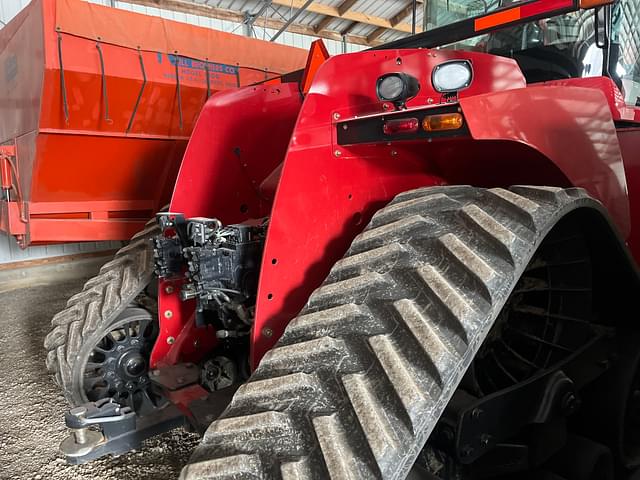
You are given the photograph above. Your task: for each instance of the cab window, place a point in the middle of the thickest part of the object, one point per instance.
(625, 48)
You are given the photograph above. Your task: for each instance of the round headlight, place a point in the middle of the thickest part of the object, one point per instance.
(452, 76)
(397, 87)
(390, 88)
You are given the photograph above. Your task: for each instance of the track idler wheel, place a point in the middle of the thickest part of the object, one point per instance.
(94, 312)
(116, 363)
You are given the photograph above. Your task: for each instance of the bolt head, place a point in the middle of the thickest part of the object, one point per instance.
(168, 314)
(337, 153)
(171, 340)
(168, 289)
(267, 332)
(467, 451)
(110, 374)
(570, 403)
(336, 116)
(130, 385)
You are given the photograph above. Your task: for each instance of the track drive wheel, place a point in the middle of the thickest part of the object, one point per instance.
(93, 320)
(360, 378)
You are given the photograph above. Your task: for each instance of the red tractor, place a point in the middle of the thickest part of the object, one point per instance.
(352, 282)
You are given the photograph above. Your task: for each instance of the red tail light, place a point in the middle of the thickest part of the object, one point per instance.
(401, 125)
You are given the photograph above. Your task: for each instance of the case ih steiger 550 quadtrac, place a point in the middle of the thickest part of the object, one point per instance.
(352, 282)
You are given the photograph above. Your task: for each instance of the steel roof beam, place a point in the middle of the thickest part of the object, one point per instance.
(286, 25)
(252, 17)
(359, 17)
(205, 10)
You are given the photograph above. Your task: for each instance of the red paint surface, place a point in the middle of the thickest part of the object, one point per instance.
(324, 200)
(327, 193)
(615, 99)
(630, 145)
(554, 121)
(240, 139)
(532, 9)
(179, 339)
(526, 10)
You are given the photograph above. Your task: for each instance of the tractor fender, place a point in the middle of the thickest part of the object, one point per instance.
(239, 141)
(240, 138)
(571, 126)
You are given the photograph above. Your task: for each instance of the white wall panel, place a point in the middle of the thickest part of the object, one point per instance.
(9, 250)
(9, 9)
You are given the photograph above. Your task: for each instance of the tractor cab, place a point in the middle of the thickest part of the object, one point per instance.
(583, 43)
(577, 44)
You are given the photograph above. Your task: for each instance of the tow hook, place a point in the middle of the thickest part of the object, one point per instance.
(106, 427)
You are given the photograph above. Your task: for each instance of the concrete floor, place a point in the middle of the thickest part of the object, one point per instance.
(31, 418)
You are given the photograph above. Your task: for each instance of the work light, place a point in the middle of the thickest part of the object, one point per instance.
(397, 88)
(452, 76)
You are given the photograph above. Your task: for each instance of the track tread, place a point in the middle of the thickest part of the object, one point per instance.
(102, 299)
(439, 353)
(403, 377)
(384, 342)
(371, 415)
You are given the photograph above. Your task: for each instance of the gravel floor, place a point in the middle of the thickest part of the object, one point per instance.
(31, 423)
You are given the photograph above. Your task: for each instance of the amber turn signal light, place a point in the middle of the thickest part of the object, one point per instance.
(445, 121)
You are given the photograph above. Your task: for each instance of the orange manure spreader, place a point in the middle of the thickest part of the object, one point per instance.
(97, 108)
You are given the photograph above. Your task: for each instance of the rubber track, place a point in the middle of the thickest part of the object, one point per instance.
(102, 299)
(360, 378)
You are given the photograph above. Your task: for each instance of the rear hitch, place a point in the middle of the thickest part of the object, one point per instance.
(106, 427)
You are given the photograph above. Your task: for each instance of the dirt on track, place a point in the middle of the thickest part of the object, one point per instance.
(31, 418)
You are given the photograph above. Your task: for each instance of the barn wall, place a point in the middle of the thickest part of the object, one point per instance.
(9, 250)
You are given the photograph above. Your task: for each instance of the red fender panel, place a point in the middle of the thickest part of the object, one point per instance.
(571, 126)
(240, 139)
